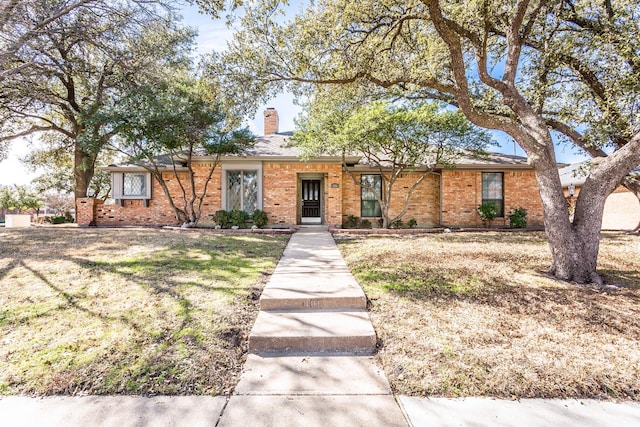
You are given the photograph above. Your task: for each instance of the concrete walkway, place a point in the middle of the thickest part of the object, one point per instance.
(311, 365)
(311, 347)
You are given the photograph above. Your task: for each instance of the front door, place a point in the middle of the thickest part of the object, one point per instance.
(311, 195)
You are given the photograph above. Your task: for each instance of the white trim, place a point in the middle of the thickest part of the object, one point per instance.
(310, 220)
(117, 183)
(241, 166)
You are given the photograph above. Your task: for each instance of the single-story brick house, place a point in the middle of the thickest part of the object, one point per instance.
(621, 209)
(272, 177)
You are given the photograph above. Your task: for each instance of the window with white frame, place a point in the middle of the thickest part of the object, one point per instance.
(242, 190)
(130, 185)
(134, 184)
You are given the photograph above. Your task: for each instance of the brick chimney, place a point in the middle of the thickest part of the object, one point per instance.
(270, 121)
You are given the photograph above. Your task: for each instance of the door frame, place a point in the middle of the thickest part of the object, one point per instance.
(310, 177)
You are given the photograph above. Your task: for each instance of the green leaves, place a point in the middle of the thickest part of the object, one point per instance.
(19, 197)
(385, 133)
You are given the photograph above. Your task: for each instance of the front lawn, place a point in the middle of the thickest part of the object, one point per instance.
(474, 314)
(127, 311)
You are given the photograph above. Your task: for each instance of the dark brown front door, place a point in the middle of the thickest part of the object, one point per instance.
(311, 198)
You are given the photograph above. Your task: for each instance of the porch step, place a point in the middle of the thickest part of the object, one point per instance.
(312, 332)
(310, 289)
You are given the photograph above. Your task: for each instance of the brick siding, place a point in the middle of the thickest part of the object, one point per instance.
(461, 193)
(424, 204)
(281, 192)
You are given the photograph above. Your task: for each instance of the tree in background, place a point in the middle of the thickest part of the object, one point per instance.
(60, 74)
(167, 126)
(61, 203)
(20, 198)
(526, 68)
(6, 199)
(392, 139)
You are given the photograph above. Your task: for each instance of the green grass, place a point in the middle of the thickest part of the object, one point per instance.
(108, 311)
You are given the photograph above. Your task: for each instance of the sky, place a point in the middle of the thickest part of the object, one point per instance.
(213, 35)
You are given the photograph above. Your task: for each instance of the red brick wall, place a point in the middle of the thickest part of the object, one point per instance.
(85, 209)
(159, 211)
(424, 204)
(281, 191)
(462, 194)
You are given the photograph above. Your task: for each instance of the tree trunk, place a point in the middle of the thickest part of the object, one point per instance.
(573, 244)
(633, 184)
(83, 170)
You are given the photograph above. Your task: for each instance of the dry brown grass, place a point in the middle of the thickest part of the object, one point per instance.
(127, 311)
(473, 314)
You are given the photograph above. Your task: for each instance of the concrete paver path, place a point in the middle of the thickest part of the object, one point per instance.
(311, 346)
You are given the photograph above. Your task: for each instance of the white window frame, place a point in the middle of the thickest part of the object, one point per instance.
(236, 167)
(117, 186)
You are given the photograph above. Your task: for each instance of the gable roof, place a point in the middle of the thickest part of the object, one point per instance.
(278, 147)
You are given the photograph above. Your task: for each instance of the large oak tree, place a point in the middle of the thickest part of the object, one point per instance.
(63, 62)
(529, 68)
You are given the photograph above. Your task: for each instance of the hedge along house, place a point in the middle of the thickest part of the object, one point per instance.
(272, 177)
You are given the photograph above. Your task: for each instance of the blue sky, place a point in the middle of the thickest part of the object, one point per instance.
(213, 35)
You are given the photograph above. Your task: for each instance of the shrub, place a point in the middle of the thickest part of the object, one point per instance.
(260, 218)
(366, 224)
(222, 218)
(239, 218)
(398, 223)
(412, 223)
(351, 222)
(488, 211)
(58, 220)
(518, 218)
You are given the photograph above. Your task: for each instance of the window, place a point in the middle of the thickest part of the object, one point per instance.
(242, 190)
(370, 192)
(492, 190)
(130, 185)
(134, 184)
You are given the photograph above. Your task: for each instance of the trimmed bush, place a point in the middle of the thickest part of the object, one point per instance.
(260, 218)
(239, 218)
(518, 218)
(222, 218)
(351, 222)
(488, 212)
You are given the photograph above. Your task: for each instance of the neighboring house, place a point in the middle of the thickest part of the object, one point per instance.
(272, 177)
(622, 208)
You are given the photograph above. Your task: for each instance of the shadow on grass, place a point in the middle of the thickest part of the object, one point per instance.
(176, 337)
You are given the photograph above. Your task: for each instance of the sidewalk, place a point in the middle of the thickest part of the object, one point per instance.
(311, 365)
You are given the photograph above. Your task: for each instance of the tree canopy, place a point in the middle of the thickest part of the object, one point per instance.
(392, 139)
(61, 74)
(19, 197)
(526, 68)
(164, 127)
